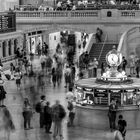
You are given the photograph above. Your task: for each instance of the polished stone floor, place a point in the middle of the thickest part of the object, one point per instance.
(29, 88)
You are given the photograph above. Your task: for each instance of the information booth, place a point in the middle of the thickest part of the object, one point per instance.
(93, 101)
(97, 93)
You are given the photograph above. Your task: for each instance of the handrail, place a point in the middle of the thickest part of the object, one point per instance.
(90, 42)
(102, 47)
(121, 41)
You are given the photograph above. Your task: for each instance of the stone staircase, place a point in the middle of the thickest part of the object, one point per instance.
(98, 50)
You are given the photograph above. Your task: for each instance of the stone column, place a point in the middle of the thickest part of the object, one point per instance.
(1, 50)
(6, 48)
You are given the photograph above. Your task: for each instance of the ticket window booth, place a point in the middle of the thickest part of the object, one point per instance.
(100, 97)
(79, 94)
(88, 96)
(131, 97)
(116, 95)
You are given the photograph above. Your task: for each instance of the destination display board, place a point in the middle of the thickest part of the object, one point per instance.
(7, 22)
(101, 97)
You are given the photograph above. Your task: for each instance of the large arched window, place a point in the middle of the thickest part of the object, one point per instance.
(15, 45)
(4, 49)
(9, 47)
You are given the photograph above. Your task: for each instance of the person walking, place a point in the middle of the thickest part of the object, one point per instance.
(27, 114)
(54, 76)
(122, 126)
(18, 77)
(112, 114)
(71, 108)
(42, 61)
(48, 117)
(58, 114)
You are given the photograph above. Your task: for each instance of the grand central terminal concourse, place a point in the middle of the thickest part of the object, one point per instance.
(69, 70)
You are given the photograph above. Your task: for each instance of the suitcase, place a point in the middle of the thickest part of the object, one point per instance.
(8, 77)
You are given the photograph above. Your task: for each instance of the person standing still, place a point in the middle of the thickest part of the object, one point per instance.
(48, 117)
(112, 114)
(42, 106)
(124, 63)
(27, 114)
(58, 114)
(95, 66)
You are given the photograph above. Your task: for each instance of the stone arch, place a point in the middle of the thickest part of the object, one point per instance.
(131, 41)
(9, 47)
(15, 45)
(4, 49)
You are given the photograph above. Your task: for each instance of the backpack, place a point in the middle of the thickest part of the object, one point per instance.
(70, 106)
(62, 112)
(38, 107)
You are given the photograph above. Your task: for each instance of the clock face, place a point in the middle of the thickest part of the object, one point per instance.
(114, 59)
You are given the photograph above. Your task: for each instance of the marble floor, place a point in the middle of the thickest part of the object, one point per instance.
(29, 88)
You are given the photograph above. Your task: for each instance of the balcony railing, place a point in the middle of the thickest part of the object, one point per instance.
(79, 14)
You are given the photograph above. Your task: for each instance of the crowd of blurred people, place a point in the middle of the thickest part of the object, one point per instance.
(83, 5)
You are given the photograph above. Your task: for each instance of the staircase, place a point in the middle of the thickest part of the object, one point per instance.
(99, 50)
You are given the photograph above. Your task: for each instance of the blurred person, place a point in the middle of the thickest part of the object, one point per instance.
(71, 108)
(18, 77)
(103, 68)
(124, 63)
(58, 114)
(67, 75)
(42, 61)
(12, 70)
(2, 93)
(122, 126)
(99, 33)
(117, 135)
(132, 65)
(42, 106)
(27, 114)
(6, 122)
(95, 66)
(54, 76)
(70, 95)
(26, 65)
(137, 64)
(90, 68)
(48, 117)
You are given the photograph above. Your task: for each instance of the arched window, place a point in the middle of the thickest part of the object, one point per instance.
(9, 47)
(4, 49)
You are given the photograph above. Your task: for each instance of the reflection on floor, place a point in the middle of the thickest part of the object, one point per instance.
(14, 102)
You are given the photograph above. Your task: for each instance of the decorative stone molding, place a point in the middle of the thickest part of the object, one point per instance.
(54, 27)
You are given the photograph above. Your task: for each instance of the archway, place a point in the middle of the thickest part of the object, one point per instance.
(4, 49)
(15, 45)
(9, 48)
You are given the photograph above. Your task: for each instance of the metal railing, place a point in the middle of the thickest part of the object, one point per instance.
(102, 47)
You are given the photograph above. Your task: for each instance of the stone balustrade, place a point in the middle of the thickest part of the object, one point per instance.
(79, 14)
